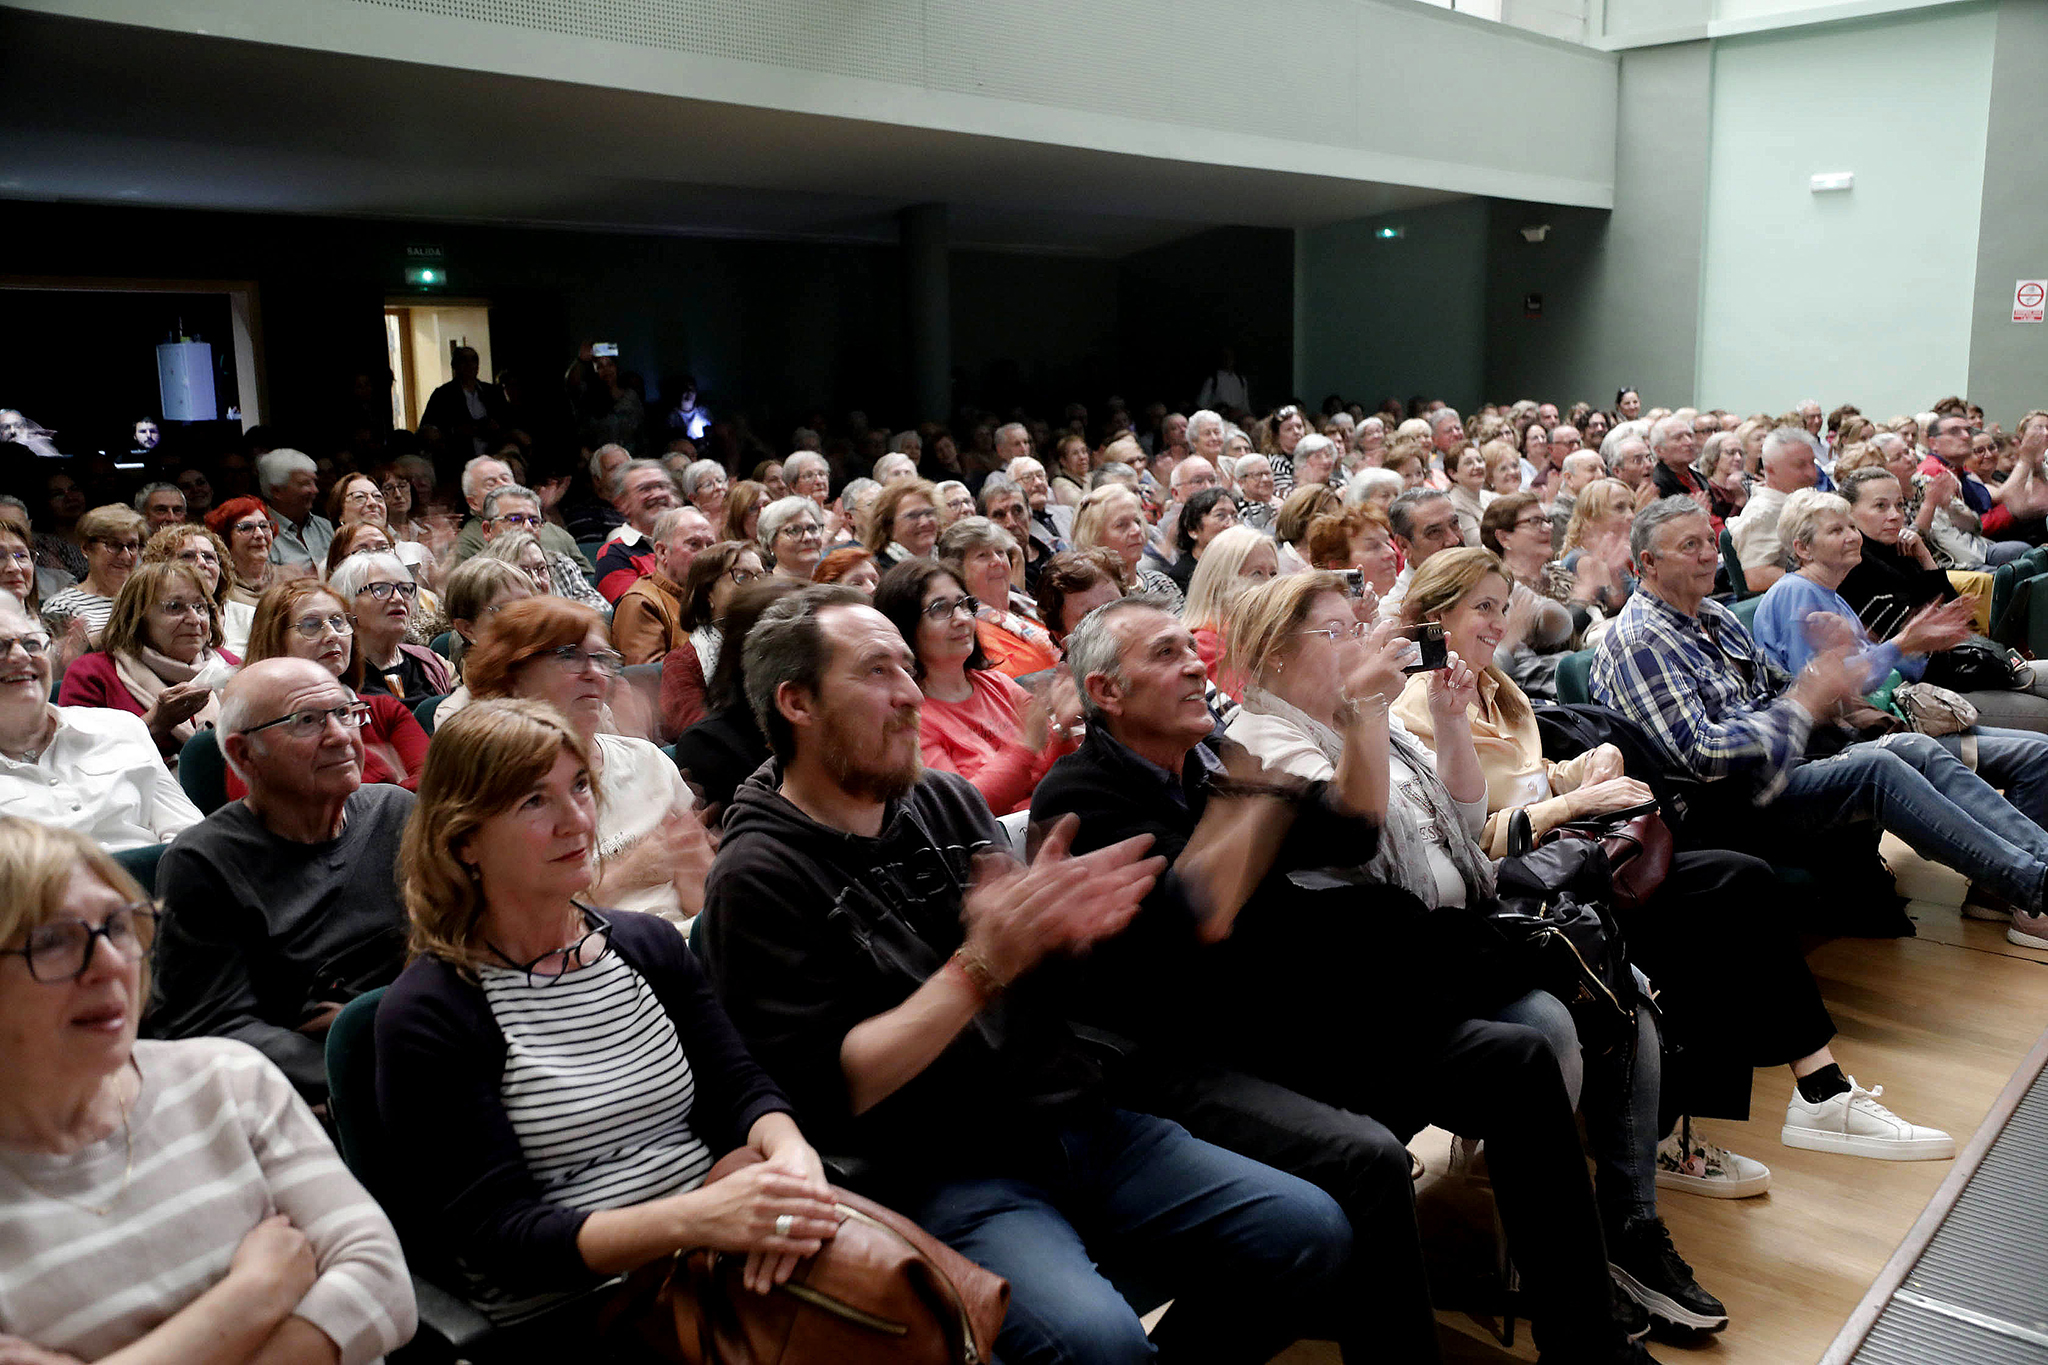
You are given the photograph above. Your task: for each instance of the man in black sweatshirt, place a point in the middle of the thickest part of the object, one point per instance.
(873, 940)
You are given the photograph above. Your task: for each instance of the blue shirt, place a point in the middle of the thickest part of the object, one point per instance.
(1780, 627)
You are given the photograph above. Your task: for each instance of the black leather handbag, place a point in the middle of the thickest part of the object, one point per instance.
(1553, 899)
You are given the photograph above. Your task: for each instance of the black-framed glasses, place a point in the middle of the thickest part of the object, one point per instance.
(62, 949)
(382, 591)
(31, 645)
(1526, 522)
(576, 658)
(802, 530)
(353, 715)
(942, 608)
(312, 627)
(120, 547)
(526, 519)
(589, 949)
(742, 577)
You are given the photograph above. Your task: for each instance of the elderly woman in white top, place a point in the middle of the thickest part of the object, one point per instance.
(791, 534)
(93, 769)
(705, 486)
(161, 1201)
(1257, 505)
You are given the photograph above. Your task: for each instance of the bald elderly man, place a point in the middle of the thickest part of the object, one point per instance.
(280, 908)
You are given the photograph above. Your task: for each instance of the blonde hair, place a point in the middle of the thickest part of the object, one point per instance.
(480, 763)
(1800, 518)
(127, 629)
(1447, 578)
(1861, 455)
(1215, 584)
(1600, 498)
(112, 519)
(163, 548)
(1091, 519)
(36, 863)
(1264, 619)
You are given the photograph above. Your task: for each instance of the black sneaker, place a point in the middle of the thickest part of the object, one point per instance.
(1650, 1271)
(1630, 1316)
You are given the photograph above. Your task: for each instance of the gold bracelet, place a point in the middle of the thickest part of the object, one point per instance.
(979, 974)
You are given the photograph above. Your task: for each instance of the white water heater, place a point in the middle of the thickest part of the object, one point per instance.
(184, 373)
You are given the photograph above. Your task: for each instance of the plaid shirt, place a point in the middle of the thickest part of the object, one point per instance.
(1702, 692)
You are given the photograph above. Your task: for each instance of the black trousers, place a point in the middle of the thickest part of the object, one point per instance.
(1720, 944)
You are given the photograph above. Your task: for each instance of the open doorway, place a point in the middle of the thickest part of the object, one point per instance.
(421, 339)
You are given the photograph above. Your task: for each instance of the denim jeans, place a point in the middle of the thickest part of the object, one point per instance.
(1617, 1094)
(1249, 1255)
(1914, 787)
(2014, 761)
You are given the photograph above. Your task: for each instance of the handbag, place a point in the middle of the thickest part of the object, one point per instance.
(1978, 665)
(1552, 898)
(1931, 710)
(881, 1290)
(1638, 846)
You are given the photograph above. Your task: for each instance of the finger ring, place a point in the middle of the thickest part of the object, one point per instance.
(785, 1224)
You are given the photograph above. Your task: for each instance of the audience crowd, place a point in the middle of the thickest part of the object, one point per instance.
(1093, 837)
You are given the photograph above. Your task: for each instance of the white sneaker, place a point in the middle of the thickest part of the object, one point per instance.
(1981, 905)
(1686, 1161)
(1853, 1123)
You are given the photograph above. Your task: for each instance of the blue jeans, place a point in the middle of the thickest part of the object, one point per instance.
(2014, 761)
(1914, 787)
(1620, 1104)
(1250, 1255)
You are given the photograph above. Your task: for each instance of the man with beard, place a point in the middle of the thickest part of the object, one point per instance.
(875, 943)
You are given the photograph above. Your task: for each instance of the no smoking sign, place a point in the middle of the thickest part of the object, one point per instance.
(2029, 300)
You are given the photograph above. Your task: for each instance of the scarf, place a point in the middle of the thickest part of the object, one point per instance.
(705, 640)
(238, 591)
(1028, 631)
(1403, 858)
(148, 672)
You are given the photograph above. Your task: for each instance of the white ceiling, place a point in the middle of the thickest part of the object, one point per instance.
(105, 113)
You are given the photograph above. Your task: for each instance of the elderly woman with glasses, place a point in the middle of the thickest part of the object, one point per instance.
(208, 553)
(977, 552)
(160, 656)
(113, 537)
(791, 534)
(500, 1049)
(652, 850)
(360, 498)
(975, 722)
(303, 619)
(170, 1201)
(379, 594)
(243, 524)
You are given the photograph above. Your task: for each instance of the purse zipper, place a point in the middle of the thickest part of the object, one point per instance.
(825, 1303)
(970, 1354)
(1591, 975)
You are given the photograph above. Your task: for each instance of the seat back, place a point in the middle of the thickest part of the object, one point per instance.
(140, 863)
(1745, 611)
(352, 1087)
(1574, 677)
(424, 712)
(203, 771)
(1731, 565)
(442, 643)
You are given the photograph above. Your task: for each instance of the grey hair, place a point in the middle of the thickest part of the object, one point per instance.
(149, 490)
(799, 463)
(1889, 440)
(897, 464)
(507, 548)
(597, 459)
(1800, 517)
(1666, 428)
(1202, 417)
(1803, 404)
(1374, 421)
(470, 476)
(1643, 529)
(694, 472)
(671, 521)
(1018, 427)
(995, 485)
(502, 492)
(806, 442)
(1093, 648)
(1022, 460)
(788, 646)
(1174, 480)
(1113, 471)
(274, 468)
(903, 442)
(1400, 512)
(349, 576)
(780, 513)
(1358, 492)
(969, 534)
(1613, 452)
(1245, 462)
(1610, 445)
(855, 490)
(1781, 437)
(1441, 415)
(615, 486)
(1309, 445)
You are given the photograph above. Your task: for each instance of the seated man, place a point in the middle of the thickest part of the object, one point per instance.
(1789, 464)
(280, 908)
(1147, 769)
(861, 922)
(642, 490)
(91, 769)
(1684, 669)
(511, 507)
(647, 621)
(486, 483)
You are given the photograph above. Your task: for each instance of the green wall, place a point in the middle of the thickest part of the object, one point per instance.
(2009, 360)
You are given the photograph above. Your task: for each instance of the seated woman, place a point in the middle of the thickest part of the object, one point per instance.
(1203, 517)
(243, 524)
(792, 537)
(18, 576)
(1469, 493)
(500, 1049)
(714, 575)
(1731, 1002)
(301, 619)
(1290, 526)
(1111, 518)
(975, 721)
(160, 656)
(1896, 576)
(1803, 614)
(1070, 470)
(1257, 505)
(978, 553)
(850, 565)
(1540, 629)
(1239, 558)
(1074, 583)
(1313, 679)
(190, 1174)
(1360, 539)
(723, 749)
(902, 523)
(558, 574)
(379, 594)
(91, 769)
(204, 551)
(744, 503)
(651, 849)
(477, 589)
(113, 537)
(1595, 541)
(358, 499)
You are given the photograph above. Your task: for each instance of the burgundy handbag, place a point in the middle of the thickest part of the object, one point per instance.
(1638, 847)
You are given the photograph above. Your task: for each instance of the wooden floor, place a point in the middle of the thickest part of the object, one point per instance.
(1941, 1021)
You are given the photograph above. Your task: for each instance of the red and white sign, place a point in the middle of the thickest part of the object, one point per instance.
(2029, 300)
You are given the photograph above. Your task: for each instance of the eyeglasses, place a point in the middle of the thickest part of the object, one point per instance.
(312, 627)
(1526, 522)
(200, 557)
(742, 577)
(121, 547)
(363, 495)
(802, 530)
(588, 950)
(352, 715)
(576, 658)
(527, 519)
(31, 645)
(1338, 634)
(396, 486)
(173, 610)
(62, 950)
(252, 526)
(19, 557)
(382, 591)
(942, 609)
(918, 514)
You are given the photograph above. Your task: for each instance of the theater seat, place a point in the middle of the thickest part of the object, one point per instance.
(140, 863)
(1731, 565)
(424, 712)
(1574, 677)
(203, 771)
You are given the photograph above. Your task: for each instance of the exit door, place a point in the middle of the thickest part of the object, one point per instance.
(421, 340)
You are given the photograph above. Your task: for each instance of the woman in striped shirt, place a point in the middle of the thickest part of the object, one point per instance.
(561, 1078)
(170, 1201)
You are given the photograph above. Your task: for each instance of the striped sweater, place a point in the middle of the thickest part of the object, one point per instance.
(221, 1141)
